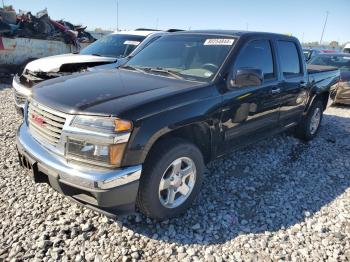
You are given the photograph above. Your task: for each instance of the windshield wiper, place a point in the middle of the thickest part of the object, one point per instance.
(96, 54)
(132, 68)
(163, 70)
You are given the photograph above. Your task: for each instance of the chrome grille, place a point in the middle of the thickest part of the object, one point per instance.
(45, 124)
(20, 99)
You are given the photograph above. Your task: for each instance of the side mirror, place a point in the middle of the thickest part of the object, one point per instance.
(247, 77)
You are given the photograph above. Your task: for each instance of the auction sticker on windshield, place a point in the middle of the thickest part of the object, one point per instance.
(129, 42)
(219, 41)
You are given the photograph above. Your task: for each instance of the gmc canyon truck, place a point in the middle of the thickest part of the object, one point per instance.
(140, 135)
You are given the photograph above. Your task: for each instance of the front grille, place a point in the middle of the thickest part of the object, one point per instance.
(45, 124)
(20, 99)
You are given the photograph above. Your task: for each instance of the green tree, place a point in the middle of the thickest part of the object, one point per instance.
(334, 44)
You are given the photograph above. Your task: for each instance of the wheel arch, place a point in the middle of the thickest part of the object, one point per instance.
(197, 133)
(323, 96)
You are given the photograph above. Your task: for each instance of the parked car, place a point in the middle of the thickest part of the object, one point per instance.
(340, 92)
(106, 50)
(310, 53)
(329, 51)
(148, 40)
(142, 134)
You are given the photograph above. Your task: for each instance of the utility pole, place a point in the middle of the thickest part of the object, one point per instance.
(324, 27)
(302, 38)
(157, 23)
(117, 15)
(3, 5)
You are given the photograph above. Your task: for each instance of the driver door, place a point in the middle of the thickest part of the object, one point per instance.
(251, 112)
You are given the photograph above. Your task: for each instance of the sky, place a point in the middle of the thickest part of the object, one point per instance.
(303, 19)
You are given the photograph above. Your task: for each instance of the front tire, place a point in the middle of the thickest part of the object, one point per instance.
(171, 179)
(310, 124)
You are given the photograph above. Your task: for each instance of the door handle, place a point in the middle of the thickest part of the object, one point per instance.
(275, 91)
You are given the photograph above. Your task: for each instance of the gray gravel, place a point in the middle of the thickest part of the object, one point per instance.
(278, 200)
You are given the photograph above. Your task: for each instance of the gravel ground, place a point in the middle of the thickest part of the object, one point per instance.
(279, 200)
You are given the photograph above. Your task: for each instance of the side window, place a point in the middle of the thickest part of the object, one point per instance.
(257, 54)
(289, 58)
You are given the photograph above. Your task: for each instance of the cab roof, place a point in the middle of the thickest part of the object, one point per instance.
(234, 33)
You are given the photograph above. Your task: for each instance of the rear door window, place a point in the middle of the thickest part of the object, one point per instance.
(289, 58)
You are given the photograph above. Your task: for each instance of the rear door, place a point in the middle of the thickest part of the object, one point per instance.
(293, 88)
(251, 112)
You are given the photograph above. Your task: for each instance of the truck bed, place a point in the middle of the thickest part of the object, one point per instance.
(322, 77)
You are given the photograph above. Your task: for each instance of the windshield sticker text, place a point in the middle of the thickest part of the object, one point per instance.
(220, 41)
(129, 42)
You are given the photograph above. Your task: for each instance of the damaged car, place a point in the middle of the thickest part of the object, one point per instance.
(148, 40)
(106, 50)
(340, 92)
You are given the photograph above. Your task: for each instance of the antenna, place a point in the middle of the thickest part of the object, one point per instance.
(117, 15)
(324, 27)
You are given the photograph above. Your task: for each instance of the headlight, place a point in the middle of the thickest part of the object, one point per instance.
(101, 146)
(96, 154)
(102, 124)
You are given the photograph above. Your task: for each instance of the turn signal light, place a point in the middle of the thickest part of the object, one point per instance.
(122, 125)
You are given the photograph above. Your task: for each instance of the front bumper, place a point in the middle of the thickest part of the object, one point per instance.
(105, 190)
(21, 94)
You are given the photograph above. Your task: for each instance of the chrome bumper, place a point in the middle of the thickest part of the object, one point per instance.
(21, 92)
(75, 175)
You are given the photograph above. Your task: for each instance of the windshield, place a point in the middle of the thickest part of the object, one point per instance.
(340, 61)
(191, 57)
(116, 45)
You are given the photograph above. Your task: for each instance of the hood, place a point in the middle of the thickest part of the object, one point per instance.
(54, 63)
(108, 92)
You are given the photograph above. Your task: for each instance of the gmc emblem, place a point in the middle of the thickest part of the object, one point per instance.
(38, 120)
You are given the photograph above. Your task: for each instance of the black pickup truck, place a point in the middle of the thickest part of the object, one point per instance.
(140, 135)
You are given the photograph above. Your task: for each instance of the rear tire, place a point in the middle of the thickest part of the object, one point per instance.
(171, 179)
(310, 124)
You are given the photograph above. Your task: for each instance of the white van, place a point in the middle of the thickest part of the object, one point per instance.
(346, 48)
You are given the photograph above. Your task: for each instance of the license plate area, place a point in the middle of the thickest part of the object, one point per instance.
(31, 167)
(26, 162)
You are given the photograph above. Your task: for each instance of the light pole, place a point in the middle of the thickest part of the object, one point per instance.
(117, 15)
(324, 27)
